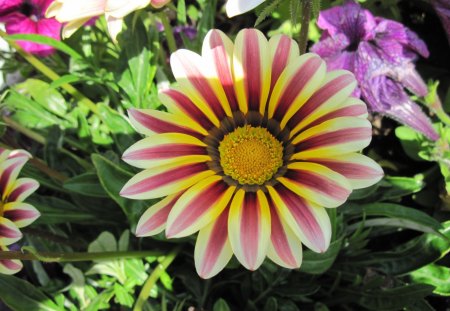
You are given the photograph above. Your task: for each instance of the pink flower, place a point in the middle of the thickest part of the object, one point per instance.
(28, 17)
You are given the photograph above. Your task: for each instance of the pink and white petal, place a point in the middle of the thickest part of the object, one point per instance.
(308, 221)
(149, 122)
(157, 4)
(153, 221)
(121, 8)
(9, 233)
(238, 7)
(21, 214)
(295, 86)
(161, 149)
(217, 50)
(333, 137)
(114, 26)
(71, 27)
(22, 189)
(251, 70)
(9, 266)
(10, 169)
(335, 89)
(198, 206)
(360, 171)
(283, 51)
(168, 179)
(178, 103)
(285, 248)
(316, 183)
(198, 80)
(213, 249)
(249, 228)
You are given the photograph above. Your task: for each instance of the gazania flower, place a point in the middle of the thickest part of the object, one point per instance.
(381, 54)
(14, 213)
(27, 17)
(75, 12)
(258, 141)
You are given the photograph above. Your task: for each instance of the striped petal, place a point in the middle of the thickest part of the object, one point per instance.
(333, 137)
(21, 189)
(285, 248)
(283, 51)
(9, 266)
(10, 169)
(153, 221)
(198, 206)
(199, 82)
(295, 86)
(165, 180)
(249, 228)
(335, 89)
(149, 122)
(21, 214)
(9, 233)
(237, 7)
(161, 149)
(217, 50)
(213, 249)
(316, 183)
(178, 103)
(360, 171)
(251, 70)
(309, 222)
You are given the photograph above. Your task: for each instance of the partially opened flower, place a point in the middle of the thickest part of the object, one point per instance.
(27, 17)
(380, 52)
(76, 13)
(258, 141)
(14, 213)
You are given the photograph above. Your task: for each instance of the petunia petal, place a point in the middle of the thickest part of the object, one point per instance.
(295, 86)
(316, 183)
(217, 50)
(251, 70)
(153, 221)
(149, 122)
(285, 248)
(237, 7)
(283, 51)
(70, 10)
(213, 249)
(21, 189)
(335, 89)
(249, 228)
(9, 233)
(198, 206)
(199, 82)
(161, 149)
(21, 214)
(165, 180)
(309, 222)
(360, 171)
(333, 137)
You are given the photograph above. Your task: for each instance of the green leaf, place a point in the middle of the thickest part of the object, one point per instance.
(221, 305)
(398, 216)
(66, 79)
(59, 45)
(397, 187)
(267, 11)
(86, 184)
(435, 275)
(411, 141)
(20, 295)
(116, 122)
(181, 12)
(106, 242)
(122, 296)
(315, 263)
(271, 304)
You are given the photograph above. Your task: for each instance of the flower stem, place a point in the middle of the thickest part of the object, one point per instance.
(48, 72)
(76, 256)
(306, 17)
(154, 277)
(168, 32)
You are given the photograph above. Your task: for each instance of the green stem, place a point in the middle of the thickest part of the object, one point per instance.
(168, 32)
(306, 17)
(153, 278)
(76, 256)
(45, 70)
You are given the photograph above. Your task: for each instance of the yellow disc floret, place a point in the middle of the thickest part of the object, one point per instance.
(250, 155)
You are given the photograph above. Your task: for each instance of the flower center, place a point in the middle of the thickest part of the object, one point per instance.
(250, 155)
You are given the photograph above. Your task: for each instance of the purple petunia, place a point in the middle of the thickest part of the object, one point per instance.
(381, 54)
(442, 8)
(28, 17)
